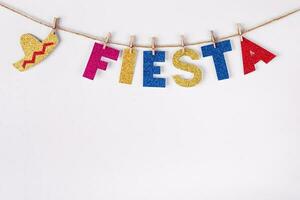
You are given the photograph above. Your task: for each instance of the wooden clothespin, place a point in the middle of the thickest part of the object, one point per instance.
(106, 41)
(131, 43)
(153, 45)
(182, 43)
(213, 38)
(240, 31)
(55, 24)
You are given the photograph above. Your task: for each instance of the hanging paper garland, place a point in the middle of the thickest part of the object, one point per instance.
(36, 51)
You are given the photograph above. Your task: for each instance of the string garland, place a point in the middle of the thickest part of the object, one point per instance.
(89, 36)
(36, 51)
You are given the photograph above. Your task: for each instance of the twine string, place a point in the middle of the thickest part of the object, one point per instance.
(92, 37)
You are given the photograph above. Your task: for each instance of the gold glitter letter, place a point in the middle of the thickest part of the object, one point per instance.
(128, 65)
(187, 67)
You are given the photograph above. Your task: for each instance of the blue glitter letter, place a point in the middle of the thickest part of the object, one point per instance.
(218, 56)
(150, 69)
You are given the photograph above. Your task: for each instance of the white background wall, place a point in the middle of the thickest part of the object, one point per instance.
(64, 137)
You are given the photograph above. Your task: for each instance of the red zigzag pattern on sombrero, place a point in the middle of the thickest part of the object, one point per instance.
(37, 53)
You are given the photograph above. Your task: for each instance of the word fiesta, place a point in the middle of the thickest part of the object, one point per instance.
(251, 55)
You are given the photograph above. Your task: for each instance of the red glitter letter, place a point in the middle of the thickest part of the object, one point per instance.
(252, 54)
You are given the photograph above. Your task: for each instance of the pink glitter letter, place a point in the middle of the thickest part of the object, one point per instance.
(95, 61)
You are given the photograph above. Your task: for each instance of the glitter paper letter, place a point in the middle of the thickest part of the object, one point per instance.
(252, 54)
(150, 69)
(95, 61)
(128, 65)
(197, 73)
(218, 57)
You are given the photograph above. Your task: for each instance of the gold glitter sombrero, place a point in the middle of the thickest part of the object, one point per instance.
(35, 50)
